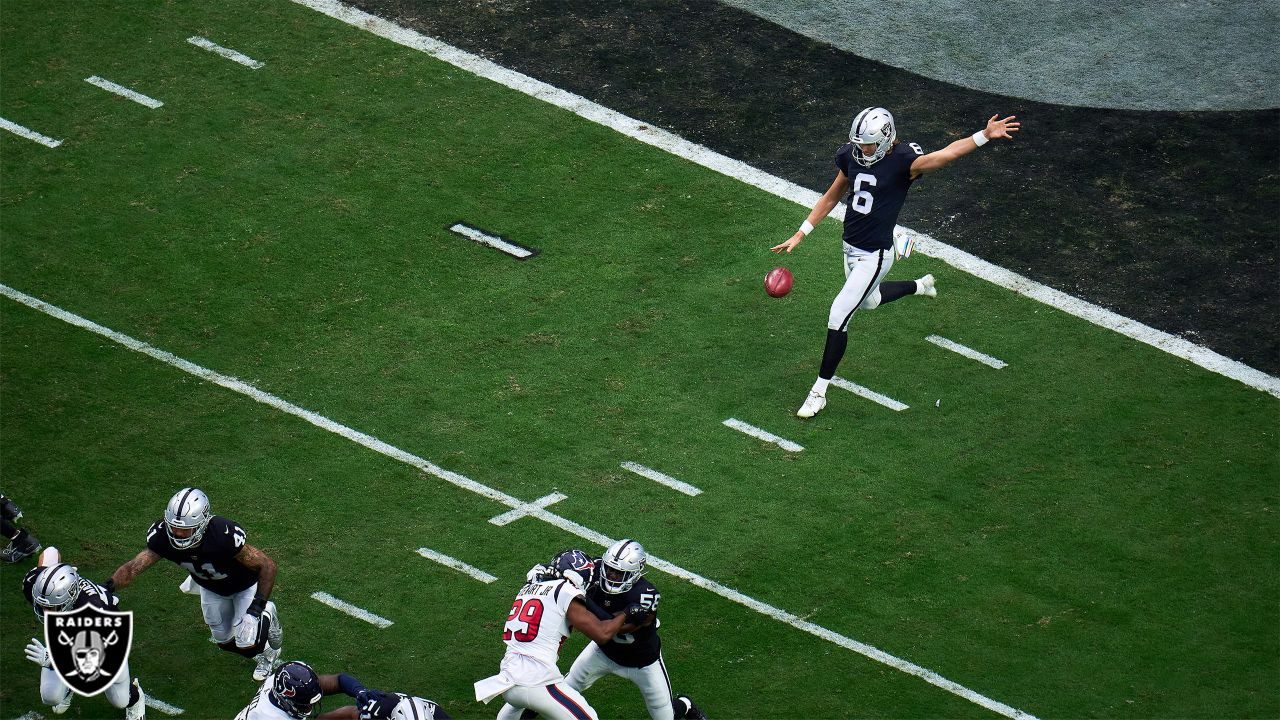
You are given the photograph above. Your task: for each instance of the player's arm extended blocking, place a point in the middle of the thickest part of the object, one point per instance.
(586, 622)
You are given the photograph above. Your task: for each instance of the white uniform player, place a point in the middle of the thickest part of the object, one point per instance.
(547, 608)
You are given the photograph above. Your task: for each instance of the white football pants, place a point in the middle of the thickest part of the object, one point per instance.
(592, 664)
(54, 691)
(222, 612)
(556, 701)
(863, 271)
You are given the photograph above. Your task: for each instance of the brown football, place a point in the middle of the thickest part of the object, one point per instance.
(778, 282)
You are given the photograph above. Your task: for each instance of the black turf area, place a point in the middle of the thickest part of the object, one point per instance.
(1169, 218)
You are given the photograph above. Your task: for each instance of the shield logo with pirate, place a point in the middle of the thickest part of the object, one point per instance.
(88, 646)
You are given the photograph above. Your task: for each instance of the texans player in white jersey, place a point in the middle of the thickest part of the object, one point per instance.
(635, 653)
(58, 587)
(234, 577)
(295, 692)
(547, 608)
(874, 172)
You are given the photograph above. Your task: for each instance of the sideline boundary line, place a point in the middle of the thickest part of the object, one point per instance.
(708, 158)
(510, 501)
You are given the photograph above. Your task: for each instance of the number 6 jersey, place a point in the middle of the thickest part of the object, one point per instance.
(212, 562)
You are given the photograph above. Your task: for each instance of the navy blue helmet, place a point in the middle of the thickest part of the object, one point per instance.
(574, 561)
(296, 690)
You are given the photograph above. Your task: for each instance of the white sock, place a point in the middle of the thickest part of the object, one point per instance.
(820, 386)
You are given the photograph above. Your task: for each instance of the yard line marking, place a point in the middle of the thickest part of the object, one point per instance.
(868, 393)
(124, 92)
(355, 612)
(163, 706)
(967, 352)
(227, 53)
(456, 564)
(515, 250)
(708, 158)
(765, 435)
(29, 134)
(661, 479)
(527, 509)
(547, 516)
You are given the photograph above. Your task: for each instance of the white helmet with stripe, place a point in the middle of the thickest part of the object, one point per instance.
(414, 708)
(188, 509)
(56, 588)
(623, 565)
(873, 126)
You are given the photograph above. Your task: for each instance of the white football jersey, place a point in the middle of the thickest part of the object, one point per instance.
(261, 707)
(535, 630)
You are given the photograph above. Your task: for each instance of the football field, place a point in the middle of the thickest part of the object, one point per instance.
(253, 288)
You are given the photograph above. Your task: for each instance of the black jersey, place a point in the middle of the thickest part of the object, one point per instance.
(212, 562)
(90, 594)
(876, 195)
(639, 648)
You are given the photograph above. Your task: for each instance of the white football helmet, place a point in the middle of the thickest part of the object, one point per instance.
(187, 509)
(623, 566)
(873, 126)
(414, 708)
(56, 588)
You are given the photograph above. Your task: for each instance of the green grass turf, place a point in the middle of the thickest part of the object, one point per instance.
(1088, 532)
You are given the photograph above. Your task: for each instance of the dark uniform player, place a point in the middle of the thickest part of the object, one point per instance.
(59, 588)
(22, 544)
(234, 577)
(635, 652)
(874, 174)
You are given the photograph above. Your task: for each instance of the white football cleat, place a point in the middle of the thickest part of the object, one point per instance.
(275, 633)
(926, 286)
(812, 405)
(64, 705)
(266, 663)
(138, 710)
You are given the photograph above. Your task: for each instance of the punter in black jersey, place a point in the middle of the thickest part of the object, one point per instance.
(58, 587)
(635, 653)
(873, 175)
(234, 578)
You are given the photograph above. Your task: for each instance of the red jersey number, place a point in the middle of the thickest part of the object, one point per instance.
(528, 612)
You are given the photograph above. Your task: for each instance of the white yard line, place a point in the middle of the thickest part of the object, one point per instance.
(355, 612)
(868, 393)
(662, 479)
(124, 92)
(465, 483)
(765, 435)
(228, 53)
(28, 133)
(511, 516)
(517, 251)
(968, 352)
(162, 706)
(456, 564)
(739, 170)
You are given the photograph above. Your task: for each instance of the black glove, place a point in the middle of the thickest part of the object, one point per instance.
(8, 509)
(637, 614)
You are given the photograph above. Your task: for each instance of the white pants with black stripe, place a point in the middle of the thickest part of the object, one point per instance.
(863, 271)
(592, 664)
(222, 612)
(54, 691)
(556, 701)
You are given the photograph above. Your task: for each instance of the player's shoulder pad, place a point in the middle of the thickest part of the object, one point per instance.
(29, 583)
(224, 535)
(157, 538)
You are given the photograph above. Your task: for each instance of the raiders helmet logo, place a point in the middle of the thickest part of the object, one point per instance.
(88, 646)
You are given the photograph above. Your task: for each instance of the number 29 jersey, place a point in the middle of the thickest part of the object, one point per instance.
(212, 562)
(876, 194)
(535, 629)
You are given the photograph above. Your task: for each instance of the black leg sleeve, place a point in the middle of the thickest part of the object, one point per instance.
(837, 340)
(894, 289)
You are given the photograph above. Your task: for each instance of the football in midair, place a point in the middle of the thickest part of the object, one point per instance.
(778, 282)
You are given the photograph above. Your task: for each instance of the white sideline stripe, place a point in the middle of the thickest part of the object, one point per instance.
(491, 241)
(547, 516)
(228, 53)
(968, 352)
(511, 516)
(29, 134)
(765, 435)
(163, 706)
(661, 479)
(868, 393)
(124, 92)
(739, 170)
(352, 610)
(456, 564)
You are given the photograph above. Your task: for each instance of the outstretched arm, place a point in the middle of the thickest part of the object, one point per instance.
(585, 621)
(821, 209)
(996, 128)
(132, 569)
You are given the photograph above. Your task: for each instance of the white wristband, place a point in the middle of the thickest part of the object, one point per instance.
(805, 228)
(980, 139)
